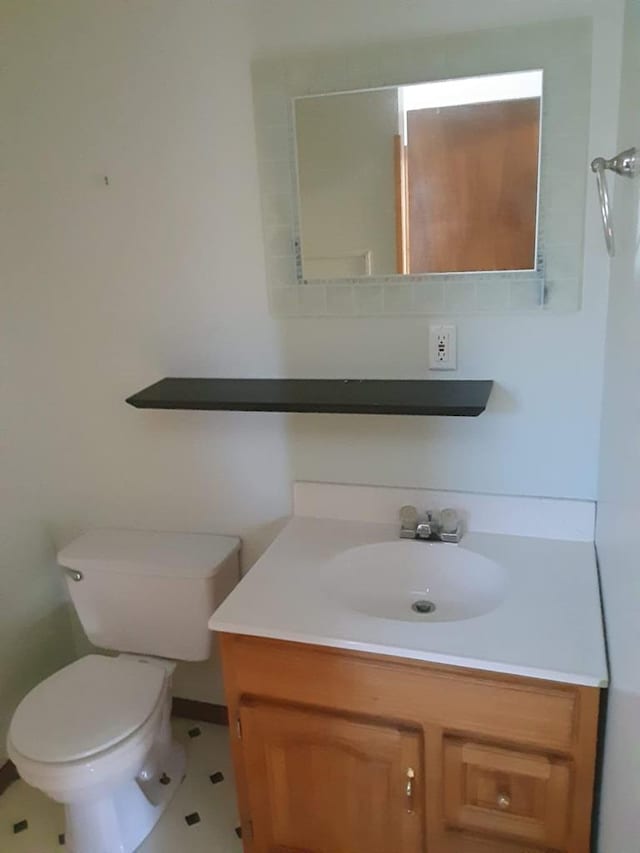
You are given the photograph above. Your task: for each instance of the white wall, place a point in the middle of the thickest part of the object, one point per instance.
(161, 272)
(35, 634)
(618, 538)
(279, 25)
(112, 287)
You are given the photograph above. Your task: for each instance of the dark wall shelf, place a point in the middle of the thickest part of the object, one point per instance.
(450, 397)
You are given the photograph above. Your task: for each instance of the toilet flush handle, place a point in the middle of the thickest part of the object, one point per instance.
(74, 574)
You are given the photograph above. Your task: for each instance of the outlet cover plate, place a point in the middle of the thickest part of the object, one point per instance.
(443, 347)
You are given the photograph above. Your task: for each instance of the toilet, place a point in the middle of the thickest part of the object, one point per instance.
(96, 735)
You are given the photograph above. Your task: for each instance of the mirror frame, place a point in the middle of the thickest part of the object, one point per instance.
(557, 282)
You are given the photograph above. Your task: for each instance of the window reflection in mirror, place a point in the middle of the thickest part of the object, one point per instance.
(440, 177)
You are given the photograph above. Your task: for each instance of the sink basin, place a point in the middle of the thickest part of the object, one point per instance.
(417, 581)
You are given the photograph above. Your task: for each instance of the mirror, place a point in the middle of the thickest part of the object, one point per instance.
(355, 273)
(439, 177)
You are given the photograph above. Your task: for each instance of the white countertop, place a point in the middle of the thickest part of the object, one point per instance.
(549, 625)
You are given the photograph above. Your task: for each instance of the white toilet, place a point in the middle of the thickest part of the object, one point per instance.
(96, 735)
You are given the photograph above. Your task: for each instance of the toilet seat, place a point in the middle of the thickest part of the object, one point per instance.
(86, 708)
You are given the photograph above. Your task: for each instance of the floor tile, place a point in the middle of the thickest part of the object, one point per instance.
(208, 756)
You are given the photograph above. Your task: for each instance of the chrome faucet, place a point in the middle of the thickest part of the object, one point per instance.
(443, 526)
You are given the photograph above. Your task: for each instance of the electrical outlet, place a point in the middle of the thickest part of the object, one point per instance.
(442, 348)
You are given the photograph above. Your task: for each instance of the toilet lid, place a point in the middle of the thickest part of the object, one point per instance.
(86, 707)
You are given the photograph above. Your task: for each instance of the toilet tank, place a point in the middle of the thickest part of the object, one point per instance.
(150, 592)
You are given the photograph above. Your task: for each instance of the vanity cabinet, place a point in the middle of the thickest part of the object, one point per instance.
(347, 752)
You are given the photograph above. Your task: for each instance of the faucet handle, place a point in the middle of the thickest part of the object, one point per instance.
(408, 516)
(449, 520)
(450, 526)
(408, 522)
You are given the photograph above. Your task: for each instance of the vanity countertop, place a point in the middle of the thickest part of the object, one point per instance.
(549, 625)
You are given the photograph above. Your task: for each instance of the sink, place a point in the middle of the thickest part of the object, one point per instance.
(417, 581)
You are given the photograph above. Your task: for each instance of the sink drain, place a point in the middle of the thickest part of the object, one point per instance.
(423, 606)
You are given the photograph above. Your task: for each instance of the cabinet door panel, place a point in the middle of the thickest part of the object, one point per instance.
(324, 783)
(506, 793)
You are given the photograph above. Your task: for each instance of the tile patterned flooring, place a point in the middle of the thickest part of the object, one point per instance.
(206, 797)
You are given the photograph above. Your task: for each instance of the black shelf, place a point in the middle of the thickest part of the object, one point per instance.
(449, 397)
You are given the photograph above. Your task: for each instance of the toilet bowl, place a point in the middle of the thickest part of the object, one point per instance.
(96, 737)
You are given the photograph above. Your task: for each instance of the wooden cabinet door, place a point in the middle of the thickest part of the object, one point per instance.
(506, 793)
(324, 783)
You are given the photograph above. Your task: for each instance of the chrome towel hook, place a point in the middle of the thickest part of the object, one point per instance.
(625, 163)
